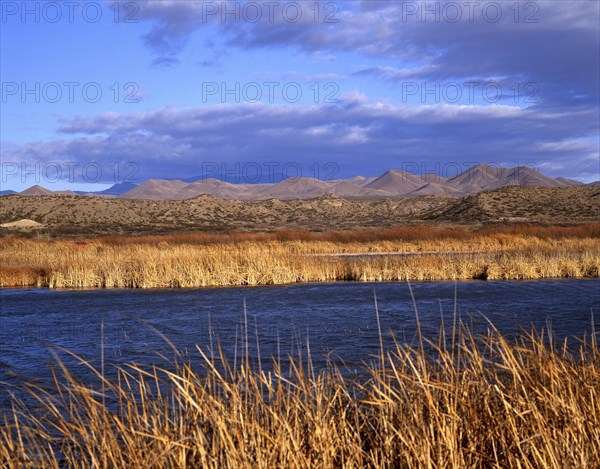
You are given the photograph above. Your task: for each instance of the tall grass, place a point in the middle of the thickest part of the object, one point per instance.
(465, 402)
(398, 233)
(199, 260)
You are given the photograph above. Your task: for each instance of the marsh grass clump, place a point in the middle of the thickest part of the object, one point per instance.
(459, 401)
(395, 254)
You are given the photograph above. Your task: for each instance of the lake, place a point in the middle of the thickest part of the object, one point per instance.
(338, 320)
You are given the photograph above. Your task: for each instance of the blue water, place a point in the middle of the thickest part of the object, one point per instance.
(337, 319)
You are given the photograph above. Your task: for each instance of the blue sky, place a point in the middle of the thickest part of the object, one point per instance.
(95, 93)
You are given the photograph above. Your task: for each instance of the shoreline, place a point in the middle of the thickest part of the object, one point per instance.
(315, 283)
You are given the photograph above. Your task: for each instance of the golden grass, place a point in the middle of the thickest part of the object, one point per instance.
(398, 233)
(199, 260)
(467, 402)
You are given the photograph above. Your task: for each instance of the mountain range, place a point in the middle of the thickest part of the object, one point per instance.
(115, 190)
(393, 183)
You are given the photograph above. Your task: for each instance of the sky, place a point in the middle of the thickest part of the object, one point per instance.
(103, 92)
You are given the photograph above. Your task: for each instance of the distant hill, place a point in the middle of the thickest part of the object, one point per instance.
(39, 190)
(349, 189)
(568, 182)
(396, 183)
(67, 192)
(36, 190)
(8, 192)
(484, 177)
(295, 188)
(117, 189)
(88, 216)
(526, 204)
(156, 189)
(393, 183)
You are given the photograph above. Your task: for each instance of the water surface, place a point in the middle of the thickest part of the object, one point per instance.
(337, 319)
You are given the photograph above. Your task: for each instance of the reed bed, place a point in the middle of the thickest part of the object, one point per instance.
(397, 233)
(157, 262)
(455, 402)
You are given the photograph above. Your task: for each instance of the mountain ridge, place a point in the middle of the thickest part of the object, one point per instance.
(393, 183)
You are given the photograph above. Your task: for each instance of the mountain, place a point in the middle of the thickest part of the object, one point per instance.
(117, 189)
(434, 188)
(39, 190)
(8, 192)
(36, 190)
(525, 176)
(429, 177)
(222, 189)
(348, 189)
(484, 177)
(396, 183)
(478, 178)
(67, 192)
(357, 180)
(568, 182)
(393, 183)
(156, 189)
(295, 188)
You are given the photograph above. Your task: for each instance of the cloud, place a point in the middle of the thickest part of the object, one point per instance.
(357, 134)
(172, 24)
(165, 62)
(552, 44)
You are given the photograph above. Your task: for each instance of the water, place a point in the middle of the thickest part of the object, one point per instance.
(338, 320)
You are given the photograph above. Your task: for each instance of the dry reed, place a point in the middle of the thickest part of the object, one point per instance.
(533, 253)
(466, 402)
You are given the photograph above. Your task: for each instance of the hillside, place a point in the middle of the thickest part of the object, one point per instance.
(526, 204)
(65, 215)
